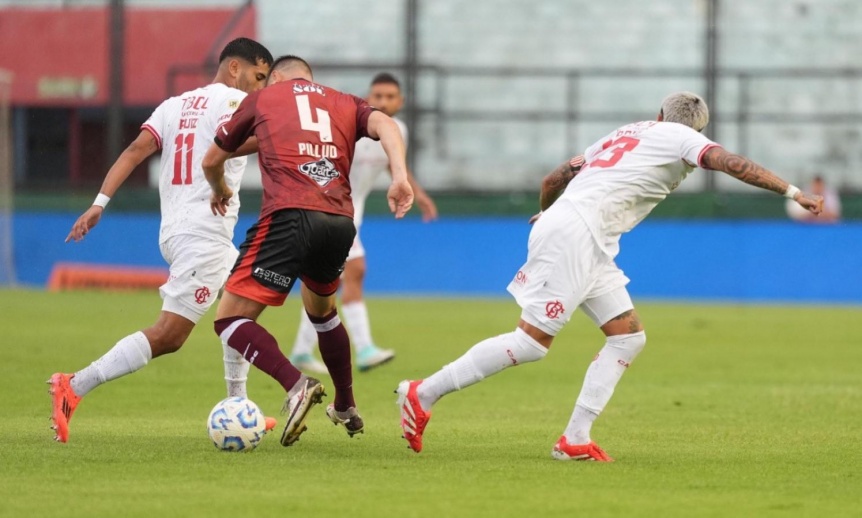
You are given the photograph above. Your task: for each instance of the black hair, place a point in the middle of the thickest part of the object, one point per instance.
(385, 78)
(246, 49)
(290, 60)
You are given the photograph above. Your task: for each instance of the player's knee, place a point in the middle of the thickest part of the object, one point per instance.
(165, 342)
(527, 349)
(165, 339)
(629, 344)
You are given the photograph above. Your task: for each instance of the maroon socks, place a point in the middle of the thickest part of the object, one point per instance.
(260, 349)
(335, 352)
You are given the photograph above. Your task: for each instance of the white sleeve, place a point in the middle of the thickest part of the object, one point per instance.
(227, 105)
(692, 145)
(156, 124)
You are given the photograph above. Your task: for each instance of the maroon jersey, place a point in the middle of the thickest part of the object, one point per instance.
(306, 134)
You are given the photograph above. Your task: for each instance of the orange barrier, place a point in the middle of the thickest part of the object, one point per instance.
(72, 276)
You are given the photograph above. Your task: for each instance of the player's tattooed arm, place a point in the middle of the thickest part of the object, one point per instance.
(741, 168)
(555, 183)
(744, 169)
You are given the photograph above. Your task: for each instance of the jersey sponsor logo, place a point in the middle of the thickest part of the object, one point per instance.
(623, 363)
(554, 309)
(272, 277)
(304, 88)
(195, 102)
(202, 294)
(520, 278)
(321, 171)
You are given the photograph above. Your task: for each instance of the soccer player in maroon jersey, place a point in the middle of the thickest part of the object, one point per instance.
(306, 135)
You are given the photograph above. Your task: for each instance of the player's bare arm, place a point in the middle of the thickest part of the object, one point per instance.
(213, 166)
(141, 148)
(249, 147)
(741, 168)
(555, 183)
(400, 195)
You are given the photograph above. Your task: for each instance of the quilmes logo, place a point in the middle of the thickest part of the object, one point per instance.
(321, 171)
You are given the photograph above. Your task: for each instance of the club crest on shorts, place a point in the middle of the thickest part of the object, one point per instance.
(554, 309)
(322, 171)
(202, 294)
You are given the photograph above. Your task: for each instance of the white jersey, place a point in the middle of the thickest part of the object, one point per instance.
(369, 160)
(628, 173)
(184, 127)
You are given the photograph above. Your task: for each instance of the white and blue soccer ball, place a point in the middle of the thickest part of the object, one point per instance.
(236, 424)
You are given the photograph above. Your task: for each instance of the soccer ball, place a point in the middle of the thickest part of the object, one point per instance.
(236, 424)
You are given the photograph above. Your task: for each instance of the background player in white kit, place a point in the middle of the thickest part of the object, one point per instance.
(197, 245)
(369, 163)
(570, 262)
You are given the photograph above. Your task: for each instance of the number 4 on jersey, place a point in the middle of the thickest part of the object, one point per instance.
(616, 148)
(307, 122)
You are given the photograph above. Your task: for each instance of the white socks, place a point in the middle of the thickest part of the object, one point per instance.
(130, 354)
(482, 360)
(355, 316)
(356, 321)
(306, 336)
(235, 371)
(599, 383)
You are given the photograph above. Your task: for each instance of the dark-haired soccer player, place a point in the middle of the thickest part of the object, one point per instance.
(306, 133)
(369, 162)
(196, 245)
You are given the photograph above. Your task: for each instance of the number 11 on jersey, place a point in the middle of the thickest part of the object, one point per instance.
(187, 139)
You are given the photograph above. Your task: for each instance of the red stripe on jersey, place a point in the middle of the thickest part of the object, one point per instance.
(154, 133)
(704, 150)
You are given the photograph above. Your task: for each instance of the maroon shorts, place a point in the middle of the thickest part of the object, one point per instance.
(290, 244)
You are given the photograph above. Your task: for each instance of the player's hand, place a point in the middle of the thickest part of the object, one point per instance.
(219, 201)
(400, 198)
(85, 223)
(426, 207)
(535, 217)
(813, 203)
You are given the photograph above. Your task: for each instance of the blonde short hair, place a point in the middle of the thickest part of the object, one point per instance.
(685, 108)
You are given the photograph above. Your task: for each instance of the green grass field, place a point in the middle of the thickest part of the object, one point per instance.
(730, 411)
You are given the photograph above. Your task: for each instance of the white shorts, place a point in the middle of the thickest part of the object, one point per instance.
(357, 250)
(566, 269)
(199, 268)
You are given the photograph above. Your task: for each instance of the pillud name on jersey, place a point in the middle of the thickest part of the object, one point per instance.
(318, 150)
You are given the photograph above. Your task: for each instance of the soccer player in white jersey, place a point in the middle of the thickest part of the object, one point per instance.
(570, 262)
(197, 245)
(369, 163)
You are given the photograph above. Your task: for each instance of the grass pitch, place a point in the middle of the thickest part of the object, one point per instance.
(730, 411)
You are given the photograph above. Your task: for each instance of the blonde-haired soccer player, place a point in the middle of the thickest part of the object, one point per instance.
(587, 203)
